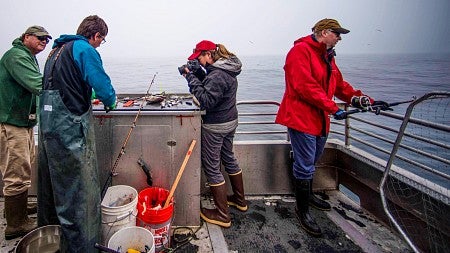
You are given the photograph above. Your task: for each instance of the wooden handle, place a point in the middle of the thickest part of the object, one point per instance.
(180, 172)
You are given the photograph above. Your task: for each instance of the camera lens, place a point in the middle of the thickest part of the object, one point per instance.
(181, 69)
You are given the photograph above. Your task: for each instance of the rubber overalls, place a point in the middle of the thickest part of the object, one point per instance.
(68, 182)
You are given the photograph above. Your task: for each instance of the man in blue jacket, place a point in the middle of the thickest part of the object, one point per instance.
(69, 187)
(20, 83)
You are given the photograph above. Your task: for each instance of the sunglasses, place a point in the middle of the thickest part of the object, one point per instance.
(43, 38)
(336, 33)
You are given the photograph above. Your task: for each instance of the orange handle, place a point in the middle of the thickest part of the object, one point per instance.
(128, 103)
(180, 172)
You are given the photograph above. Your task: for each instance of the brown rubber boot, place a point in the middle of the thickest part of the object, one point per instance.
(237, 199)
(31, 209)
(220, 215)
(17, 221)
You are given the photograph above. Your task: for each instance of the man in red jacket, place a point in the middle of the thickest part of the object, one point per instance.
(312, 79)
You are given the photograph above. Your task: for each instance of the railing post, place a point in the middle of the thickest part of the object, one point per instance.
(347, 129)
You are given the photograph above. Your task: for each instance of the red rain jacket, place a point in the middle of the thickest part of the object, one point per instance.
(308, 98)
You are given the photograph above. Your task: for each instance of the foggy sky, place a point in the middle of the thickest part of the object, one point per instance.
(146, 28)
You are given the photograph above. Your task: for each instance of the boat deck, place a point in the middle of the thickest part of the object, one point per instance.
(270, 225)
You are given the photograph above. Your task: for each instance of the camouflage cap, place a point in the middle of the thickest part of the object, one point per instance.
(328, 23)
(38, 31)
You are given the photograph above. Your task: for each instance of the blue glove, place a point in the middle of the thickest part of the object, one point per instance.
(340, 114)
(360, 102)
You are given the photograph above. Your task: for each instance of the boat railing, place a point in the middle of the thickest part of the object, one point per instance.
(426, 126)
(373, 133)
(384, 144)
(258, 118)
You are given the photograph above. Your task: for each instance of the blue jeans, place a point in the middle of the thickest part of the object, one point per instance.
(307, 150)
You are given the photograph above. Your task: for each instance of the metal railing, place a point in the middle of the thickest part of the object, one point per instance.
(371, 134)
(387, 143)
(430, 210)
(263, 118)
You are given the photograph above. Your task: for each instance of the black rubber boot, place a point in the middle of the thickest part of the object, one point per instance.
(316, 202)
(237, 199)
(302, 197)
(220, 215)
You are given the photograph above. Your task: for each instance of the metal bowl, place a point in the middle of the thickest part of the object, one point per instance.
(41, 240)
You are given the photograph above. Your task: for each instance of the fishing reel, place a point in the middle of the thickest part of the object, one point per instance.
(360, 101)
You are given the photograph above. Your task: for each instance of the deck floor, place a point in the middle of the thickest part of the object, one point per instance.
(270, 225)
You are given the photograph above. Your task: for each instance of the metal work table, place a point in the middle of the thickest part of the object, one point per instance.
(161, 138)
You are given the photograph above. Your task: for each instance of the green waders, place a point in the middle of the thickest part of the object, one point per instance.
(68, 182)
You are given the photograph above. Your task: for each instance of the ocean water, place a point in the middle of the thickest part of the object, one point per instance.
(395, 77)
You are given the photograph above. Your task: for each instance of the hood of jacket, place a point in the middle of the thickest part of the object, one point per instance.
(19, 44)
(66, 38)
(231, 65)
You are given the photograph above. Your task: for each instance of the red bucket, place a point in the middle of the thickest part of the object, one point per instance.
(152, 215)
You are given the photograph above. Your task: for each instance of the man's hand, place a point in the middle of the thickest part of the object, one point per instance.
(111, 107)
(340, 114)
(378, 106)
(384, 106)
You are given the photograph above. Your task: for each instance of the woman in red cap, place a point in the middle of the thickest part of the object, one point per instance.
(216, 93)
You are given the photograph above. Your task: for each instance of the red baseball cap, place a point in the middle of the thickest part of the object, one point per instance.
(204, 45)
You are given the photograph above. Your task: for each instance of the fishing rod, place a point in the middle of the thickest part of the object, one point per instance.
(113, 172)
(377, 108)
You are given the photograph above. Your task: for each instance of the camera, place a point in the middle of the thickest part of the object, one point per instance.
(193, 66)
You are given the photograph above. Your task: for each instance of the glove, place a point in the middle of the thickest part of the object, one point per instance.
(340, 114)
(200, 74)
(378, 106)
(111, 107)
(382, 105)
(93, 96)
(360, 102)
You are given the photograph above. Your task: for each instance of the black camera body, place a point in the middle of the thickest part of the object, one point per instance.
(192, 65)
(195, 68)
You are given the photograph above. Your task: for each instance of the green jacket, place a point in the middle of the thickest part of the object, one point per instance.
(20, 83)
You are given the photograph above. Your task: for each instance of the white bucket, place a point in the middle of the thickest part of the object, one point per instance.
(135, 237)
(118, 210)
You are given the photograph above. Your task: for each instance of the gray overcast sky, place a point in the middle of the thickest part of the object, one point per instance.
(146, 28)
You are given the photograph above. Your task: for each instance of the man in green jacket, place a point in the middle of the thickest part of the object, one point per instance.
(20, 83)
